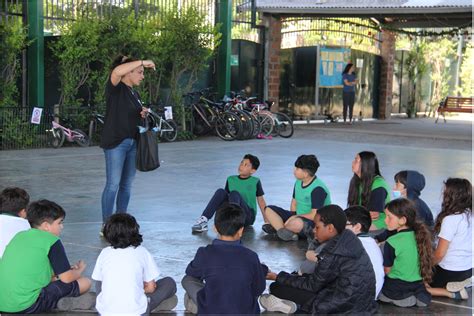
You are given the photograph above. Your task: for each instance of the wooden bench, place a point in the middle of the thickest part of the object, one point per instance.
(454, 104)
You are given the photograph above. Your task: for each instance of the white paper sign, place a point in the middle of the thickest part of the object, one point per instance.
(360, 63)
(36, 115)
(168, 113)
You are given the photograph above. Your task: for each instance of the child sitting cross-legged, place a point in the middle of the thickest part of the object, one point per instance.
(453, 253)
(406, 257)
(126, 273)
(341, 282)
(225, 277)
(35, 272)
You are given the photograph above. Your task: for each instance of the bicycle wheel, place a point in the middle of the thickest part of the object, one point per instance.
(266, 122)
(80, 138)
(247, 125)
(56, 137)
(228, 125)
(283, 124)
(201, 118)
(169, 131)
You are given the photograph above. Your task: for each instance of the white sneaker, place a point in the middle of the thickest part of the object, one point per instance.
(458, 286)
(272, 303)
(200, 225)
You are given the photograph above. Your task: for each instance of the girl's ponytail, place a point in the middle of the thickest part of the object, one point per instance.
(425, 252)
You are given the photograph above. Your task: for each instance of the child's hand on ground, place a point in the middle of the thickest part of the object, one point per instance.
(80, 265)
(271, 275)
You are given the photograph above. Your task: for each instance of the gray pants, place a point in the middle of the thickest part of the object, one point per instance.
(192, 285)
(165, 288)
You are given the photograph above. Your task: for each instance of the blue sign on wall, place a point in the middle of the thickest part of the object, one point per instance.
(331, 64)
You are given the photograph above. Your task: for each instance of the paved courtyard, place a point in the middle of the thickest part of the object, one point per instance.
(167, 201)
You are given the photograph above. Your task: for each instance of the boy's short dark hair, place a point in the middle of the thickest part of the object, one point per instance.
(253, 160)
(229, 219)
(309, 163)
(42, 211)
(359, 215)
(122, 230)
(333, 214)
(401, 177)
(13, 200)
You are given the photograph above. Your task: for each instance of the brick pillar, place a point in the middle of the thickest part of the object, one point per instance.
(386, 74)
(273, 63)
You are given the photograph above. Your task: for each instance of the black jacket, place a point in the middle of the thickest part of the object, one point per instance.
(343, 281)
(416, 183)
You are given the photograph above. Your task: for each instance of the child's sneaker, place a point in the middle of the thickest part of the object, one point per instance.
(167, 304)
(201, 225)
(287, 235)
(189, 304)
(85, 301)
(267, 228)
(458, 286)
(461, 295)
(272, 303)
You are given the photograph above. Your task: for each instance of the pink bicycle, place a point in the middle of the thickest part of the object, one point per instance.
(58, 133)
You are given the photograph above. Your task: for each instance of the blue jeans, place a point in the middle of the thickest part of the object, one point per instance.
(120, 171)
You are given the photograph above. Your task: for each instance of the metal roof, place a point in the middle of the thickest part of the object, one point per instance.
(409, 13)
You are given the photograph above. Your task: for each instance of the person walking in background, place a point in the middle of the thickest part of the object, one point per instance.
(348, 91)
(124, 111)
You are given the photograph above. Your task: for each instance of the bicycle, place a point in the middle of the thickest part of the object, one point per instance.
(96, 120)
(167, 128)
(58, 133)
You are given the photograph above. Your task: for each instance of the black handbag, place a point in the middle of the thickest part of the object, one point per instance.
(147, 149)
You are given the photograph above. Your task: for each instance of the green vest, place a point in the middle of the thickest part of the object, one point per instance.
(406, 266)
(303, 195)
(25, 269)
(378, 182)
(247, 188)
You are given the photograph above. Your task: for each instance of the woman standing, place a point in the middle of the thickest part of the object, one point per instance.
(348, 91)
(368, 188)
(123, 114)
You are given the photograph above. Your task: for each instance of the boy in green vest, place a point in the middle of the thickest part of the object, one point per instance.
(309, 194)
(35, 273)
(243, 189)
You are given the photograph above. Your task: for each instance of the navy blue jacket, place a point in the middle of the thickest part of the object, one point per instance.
(233, 276)
(415, 184)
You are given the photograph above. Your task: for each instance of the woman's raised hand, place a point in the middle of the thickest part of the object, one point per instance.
(148, 64)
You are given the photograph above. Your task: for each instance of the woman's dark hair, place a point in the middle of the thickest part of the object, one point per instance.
(457, 199)
(229, 219)
(122, 230)
(405, 208)
(359, 215)
(42, 211)
(346, 69)
(369, 169)
(401, 177)
(119, 60)
(253, 160)
(13, 200)
(333, 214)
(309, 163)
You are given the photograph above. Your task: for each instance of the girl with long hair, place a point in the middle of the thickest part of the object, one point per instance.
(407, 257)
(348, 91)
(368, 188)
(453, 254)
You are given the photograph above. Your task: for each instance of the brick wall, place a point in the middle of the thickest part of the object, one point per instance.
(274, 31)
(386, 74)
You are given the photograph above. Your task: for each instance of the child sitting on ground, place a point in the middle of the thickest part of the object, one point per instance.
(35, 272)
(409, 184)
(359, 221)
(13, 203)
(244, 190)
(341, 282)
(309, 194)
(453, 254)
(225, 277)
(126, 273)
(406, 257)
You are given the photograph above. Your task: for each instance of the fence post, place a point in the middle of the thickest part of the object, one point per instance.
(225, 48)
(35, 53)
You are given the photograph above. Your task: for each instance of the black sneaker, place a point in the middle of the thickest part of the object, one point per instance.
(267, 228)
